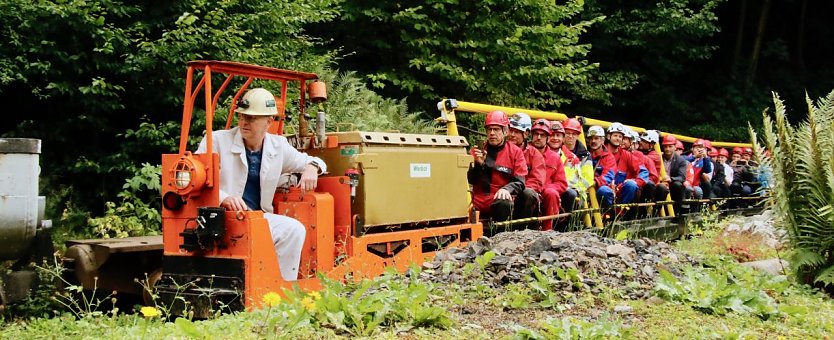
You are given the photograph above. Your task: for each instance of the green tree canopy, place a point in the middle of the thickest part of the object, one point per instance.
(526, 53)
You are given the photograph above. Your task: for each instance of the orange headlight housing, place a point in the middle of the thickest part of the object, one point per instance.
(189, 175)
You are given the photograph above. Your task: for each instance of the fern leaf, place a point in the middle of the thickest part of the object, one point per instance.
(806, 258)
(825, 276)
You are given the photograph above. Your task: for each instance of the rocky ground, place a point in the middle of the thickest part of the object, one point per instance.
(592, 267)
(629, 264)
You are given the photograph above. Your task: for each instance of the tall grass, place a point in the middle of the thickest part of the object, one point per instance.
(802, 161)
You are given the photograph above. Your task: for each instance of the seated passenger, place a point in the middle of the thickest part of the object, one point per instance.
(702, 168)
(722, 180)
(679, 148)
(676, 172)
(251, 163)
(529, 201)
(647, 191)
(605, 167)
(653, 159)
(629, 176)
(578, 172)
(555, 184)
(572, 130)
(498, 172)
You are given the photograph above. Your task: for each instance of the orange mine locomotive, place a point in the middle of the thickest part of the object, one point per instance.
(356, 225)
(386, 200)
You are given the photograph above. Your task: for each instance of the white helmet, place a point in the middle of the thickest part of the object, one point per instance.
(629, 133)
(617, 127)
(596, 131)
(634, 136)
(650, 136)
(257, 102)
(521, 121)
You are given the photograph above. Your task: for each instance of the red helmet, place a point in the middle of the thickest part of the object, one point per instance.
(699, 142)
(497, 118)
(669, 140)
(572, 124)
(737, 150)
(543, 125)
(679, 145)
(723, 152)
(748, 151)
(712, 152)
(556, 127)
(708, 144)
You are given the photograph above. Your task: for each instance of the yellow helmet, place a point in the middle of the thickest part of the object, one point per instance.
(257, 102)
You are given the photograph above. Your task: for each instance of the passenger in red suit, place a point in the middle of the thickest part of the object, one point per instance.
(629, 175)
(498, 172)
(555, 185)
(530, 200)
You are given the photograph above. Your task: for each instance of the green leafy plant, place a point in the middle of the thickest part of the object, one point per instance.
(134, 216)
(718, 291)
(483, 261)
(802, 164)
(574, 328)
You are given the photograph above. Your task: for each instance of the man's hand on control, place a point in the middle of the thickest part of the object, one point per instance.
(309, 178)
(234, 203)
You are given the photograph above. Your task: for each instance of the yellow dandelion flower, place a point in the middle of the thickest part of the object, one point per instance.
(315, 295)
(150, 312)
(308, 303)
(271, 299)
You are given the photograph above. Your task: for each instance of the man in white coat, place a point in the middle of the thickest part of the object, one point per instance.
(251, 164)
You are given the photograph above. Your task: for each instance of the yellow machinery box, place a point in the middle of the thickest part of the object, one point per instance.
(404, 179)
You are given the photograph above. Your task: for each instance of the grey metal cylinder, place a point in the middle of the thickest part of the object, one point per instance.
(21, 209)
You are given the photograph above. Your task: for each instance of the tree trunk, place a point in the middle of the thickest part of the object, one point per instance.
(742, 14)
(800, 39)
(757, 44)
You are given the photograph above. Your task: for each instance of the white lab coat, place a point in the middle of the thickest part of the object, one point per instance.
(278, 157)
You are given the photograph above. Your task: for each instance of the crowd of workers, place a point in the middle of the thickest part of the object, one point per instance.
(540, 168)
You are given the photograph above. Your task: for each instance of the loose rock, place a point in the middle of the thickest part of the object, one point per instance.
(599, 261)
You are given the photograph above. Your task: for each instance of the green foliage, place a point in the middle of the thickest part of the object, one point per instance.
(803, 185)
(575, 328)
(352, 106)
(722, 290)
(483, 261)
(669, 48)
(524, 53)
(85, 74)
(41, 301)
(137, 214)
(365, 309)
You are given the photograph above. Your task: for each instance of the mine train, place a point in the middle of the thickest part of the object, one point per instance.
(389, 200)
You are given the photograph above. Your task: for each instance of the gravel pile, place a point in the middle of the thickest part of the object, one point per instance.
(631, 265)
(762, 225)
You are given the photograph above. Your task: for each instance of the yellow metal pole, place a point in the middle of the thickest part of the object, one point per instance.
(448, 117)
(592, 192)
(668, 209)
(484, 108)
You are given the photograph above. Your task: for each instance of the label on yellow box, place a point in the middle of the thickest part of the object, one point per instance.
(420, 170)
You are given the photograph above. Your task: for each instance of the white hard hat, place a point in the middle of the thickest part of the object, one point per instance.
(617, 127)
(257, 102)
(521, 121)
(635, 136)
(629, 133)
(650, 136)
(596, 131)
